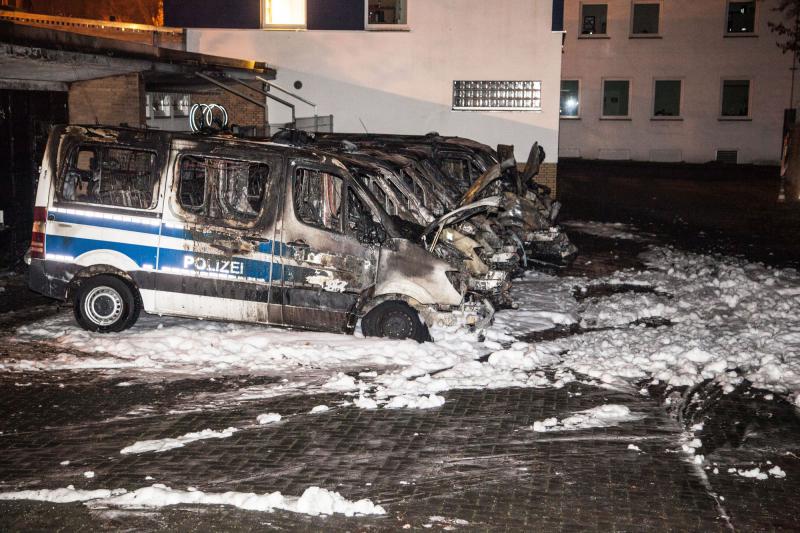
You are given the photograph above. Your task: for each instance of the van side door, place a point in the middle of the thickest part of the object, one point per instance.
(329, 259)
(216, 258)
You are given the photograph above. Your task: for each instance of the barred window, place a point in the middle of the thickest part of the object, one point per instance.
(497, 95)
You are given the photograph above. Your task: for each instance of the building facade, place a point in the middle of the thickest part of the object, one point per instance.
(485, 70)
(673, 80)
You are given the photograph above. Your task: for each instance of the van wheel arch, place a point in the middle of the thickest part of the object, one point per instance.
(100, 270)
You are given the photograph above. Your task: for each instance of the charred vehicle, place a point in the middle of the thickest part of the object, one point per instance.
(475, 171)
(215, 227)
(409, 197)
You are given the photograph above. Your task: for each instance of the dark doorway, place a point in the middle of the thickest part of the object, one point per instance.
(25, 120)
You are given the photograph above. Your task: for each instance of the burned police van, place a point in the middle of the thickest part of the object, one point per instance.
(215, 227)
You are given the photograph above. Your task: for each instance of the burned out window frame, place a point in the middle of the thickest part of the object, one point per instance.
(372, 209)
(312, 167)
(71, 151)
(215, 209)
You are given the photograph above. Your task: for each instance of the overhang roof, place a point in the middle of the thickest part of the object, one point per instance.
(43, 58)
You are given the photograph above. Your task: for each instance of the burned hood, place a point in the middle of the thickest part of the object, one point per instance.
(462, 213)
(486, 179)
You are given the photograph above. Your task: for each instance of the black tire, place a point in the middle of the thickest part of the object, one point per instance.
(395, 320)
(106, 304)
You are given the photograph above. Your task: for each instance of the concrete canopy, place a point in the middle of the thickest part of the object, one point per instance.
(37, 58)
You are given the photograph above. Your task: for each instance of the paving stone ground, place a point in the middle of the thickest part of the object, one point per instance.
(473, 459)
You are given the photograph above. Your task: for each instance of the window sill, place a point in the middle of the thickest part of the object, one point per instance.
(666, 119)
(742, 35)
(735, 119)
(622, 119)
(561, 117)
(645, 36)
(387, 27)
(593, 36)
(278, 27)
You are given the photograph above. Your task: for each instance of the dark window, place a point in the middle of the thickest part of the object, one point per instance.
(645, 19)
(570, 98)
(117, 177)
(192, 184)
(667, 98)
(318, 199)
(594, 18)
(741, 17)
(387, 12)
(736, 98)
(615, 98)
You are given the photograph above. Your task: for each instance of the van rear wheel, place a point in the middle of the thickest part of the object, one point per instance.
(395, 320)
(105, 304)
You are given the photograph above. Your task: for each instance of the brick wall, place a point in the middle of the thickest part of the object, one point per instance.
(240, 111)
(548, 174)
(110, 101)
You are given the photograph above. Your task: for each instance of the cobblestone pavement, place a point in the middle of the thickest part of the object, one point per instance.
(473, 459)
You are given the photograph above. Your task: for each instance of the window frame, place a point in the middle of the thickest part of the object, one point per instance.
(657, 35)
(734, 118)
(735, 34)
(298, 165)
(270, 26)
(534, 99)
(236, 220)
(101, 148)
(603, 115)
(580, 89)
(580, 33)
(385, 27)
(677, 117)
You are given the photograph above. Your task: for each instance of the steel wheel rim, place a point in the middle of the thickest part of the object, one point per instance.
(103, 306)
(397, 325)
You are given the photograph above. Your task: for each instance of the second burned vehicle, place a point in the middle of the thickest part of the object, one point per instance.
(446, 173)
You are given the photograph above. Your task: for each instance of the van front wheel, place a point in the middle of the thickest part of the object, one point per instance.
(395, 320)
(105, 304)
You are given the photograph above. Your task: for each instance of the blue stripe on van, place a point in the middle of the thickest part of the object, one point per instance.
(74, 246)
(250, 268)
(168, 258)
(265, 247)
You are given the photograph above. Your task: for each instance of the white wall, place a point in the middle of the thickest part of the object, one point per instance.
(401, 82)
(692, 48)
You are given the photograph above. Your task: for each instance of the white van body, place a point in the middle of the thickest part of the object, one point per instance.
(221, 228)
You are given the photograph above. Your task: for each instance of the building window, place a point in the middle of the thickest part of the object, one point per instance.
(616, 97)
(285, 13)
(386, 12)
(667, 98)
(645, 18)
(736, 98)
(570, 99)
(594, 18)
(167, 105)
(497, 95)
(741, 17)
